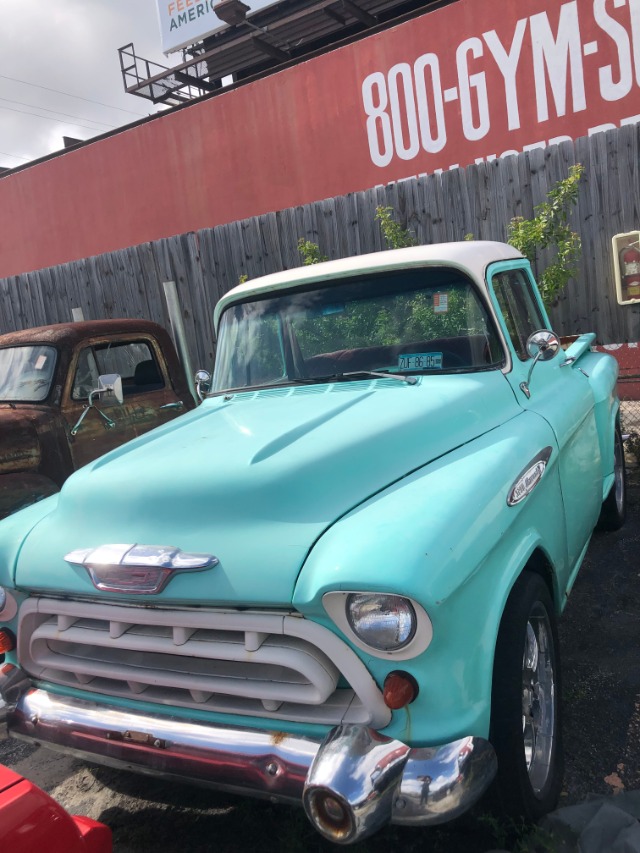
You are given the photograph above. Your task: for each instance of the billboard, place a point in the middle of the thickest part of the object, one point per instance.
(468, 89)
(186, 22)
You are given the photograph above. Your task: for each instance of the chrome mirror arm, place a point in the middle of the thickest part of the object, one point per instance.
(80, 419)
(108, 422)
(111, 386)
(533, 364)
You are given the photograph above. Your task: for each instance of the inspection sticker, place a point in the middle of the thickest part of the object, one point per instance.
(440, 303)
(420, 361)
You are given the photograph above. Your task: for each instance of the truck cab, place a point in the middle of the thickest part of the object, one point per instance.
(46, 377)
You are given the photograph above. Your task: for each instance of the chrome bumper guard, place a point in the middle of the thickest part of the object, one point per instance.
(351, 783)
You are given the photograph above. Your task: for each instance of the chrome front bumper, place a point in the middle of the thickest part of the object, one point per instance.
(355, 771)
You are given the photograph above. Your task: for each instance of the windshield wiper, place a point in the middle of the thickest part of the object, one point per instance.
(314, 380)
(410, 380)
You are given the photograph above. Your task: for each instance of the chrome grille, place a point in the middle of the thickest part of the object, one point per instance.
(250, 663)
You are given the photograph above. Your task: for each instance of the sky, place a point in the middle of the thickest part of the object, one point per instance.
(60, 71)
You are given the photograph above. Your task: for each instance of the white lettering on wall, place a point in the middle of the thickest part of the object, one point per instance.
(508, 65)
(430, 102)
(417, 105)
(557, 55)
(402, 103)
(378, 121)
(473, 91)
(611, 89)
(634, 11)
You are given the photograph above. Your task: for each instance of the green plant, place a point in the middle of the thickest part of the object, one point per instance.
(498, 828)
(244, 277)
(310, 252)
(396, 236)
(549, 227)
(518, 835)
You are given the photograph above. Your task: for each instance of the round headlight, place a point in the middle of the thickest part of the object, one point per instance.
(384, 622)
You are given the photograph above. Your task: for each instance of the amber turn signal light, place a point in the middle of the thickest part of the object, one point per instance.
(7, 641)
(399, 689)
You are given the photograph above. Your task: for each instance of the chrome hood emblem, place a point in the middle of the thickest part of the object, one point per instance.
(137, 569)
(529, 478)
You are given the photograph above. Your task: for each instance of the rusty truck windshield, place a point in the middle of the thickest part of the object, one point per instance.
(26, 373)
(428, 320)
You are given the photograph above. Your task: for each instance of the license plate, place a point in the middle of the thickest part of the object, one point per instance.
(420, 361)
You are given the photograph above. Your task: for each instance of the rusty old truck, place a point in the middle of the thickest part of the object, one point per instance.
(58, 412)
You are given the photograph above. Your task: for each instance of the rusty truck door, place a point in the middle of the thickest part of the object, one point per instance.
(149, 398)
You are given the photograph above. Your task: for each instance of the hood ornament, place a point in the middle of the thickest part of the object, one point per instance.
(137, 569)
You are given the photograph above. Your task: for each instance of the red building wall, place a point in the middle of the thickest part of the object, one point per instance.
(628, 358)
(447, 89)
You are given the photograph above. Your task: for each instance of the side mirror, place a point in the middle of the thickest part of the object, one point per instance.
(110, 384)
(203, 383)
(541, 346)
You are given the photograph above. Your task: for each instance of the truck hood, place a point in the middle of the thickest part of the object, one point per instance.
(255, 479)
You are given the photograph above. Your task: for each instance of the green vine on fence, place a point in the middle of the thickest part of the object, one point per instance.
(310, 252)
(549, 228)
(395, 235)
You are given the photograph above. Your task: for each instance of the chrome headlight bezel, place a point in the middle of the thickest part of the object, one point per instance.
(337, 606)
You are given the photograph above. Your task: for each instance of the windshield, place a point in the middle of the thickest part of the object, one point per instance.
(428, 320)
(26, 373)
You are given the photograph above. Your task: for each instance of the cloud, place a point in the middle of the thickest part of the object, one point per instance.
(70, 46)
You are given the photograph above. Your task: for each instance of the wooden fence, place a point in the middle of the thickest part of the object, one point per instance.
(479, 200)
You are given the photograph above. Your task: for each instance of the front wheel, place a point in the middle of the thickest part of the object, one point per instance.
(614, 506)
(525, 712)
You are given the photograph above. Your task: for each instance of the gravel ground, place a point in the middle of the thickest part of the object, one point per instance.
(599, 638)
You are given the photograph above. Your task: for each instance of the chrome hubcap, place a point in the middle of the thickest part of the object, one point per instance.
(618, 469)
(538, 698)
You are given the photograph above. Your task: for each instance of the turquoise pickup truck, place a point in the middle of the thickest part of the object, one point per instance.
(337, 581)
